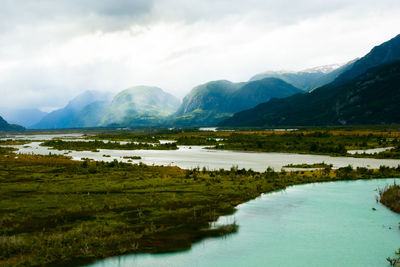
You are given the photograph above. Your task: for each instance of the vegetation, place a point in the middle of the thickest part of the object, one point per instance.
(131, 157)
(308, 166)
(196, 140)
(390, 197)
(335, 142)
(311, 142)
(54, 210)
(94, 145)
(11, 142)
(143, 137)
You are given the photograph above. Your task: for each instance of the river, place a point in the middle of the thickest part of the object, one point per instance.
(322, 224)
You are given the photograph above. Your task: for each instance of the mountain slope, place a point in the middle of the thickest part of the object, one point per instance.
(385, 53)
(64, 117)
(331, 76)
(371, 98)
(6, 127)
(90, 115)
(209, 96)
(140, 105)
(256, 92)
(210, 103)
(354, 97)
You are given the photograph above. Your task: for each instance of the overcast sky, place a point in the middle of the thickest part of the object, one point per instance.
(52, 50)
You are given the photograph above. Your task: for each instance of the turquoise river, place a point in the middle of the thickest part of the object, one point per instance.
(323, 224)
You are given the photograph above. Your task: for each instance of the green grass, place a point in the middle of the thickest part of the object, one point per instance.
(390, 197)
(308, 166)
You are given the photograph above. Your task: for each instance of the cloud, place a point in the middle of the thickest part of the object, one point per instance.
(51, 50)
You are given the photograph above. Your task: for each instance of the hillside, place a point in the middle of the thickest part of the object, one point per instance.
(371, 98)
(385, 53)
(215, 101)
(363, 94)
(6, 127)
(140, 105)
(90, 115)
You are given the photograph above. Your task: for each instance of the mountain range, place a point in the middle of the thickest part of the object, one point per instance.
(135, 106)
(368, 92)
(362, 91)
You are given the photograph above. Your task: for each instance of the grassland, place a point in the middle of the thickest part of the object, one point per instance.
(57, 211)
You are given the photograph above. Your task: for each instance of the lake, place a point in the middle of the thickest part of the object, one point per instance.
(323, 224)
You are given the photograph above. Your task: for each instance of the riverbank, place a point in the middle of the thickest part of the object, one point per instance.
(55, 210)
(390, 197)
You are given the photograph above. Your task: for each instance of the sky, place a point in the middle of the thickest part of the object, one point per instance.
(51, 51)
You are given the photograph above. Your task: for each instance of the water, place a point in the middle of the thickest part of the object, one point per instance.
(188, 157)
(324, 224)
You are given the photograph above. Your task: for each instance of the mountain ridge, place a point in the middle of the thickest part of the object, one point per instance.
(6, 127)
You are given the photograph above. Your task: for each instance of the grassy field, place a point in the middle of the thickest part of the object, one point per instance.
(54, 210)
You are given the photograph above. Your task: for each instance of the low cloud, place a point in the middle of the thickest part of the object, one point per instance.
(51, 50)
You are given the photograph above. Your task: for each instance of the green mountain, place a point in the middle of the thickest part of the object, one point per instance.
(256, 92)
(67, 117)
(371, 98)
(209, 96)
(210, 103)
(140, 106)
(6, 127)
